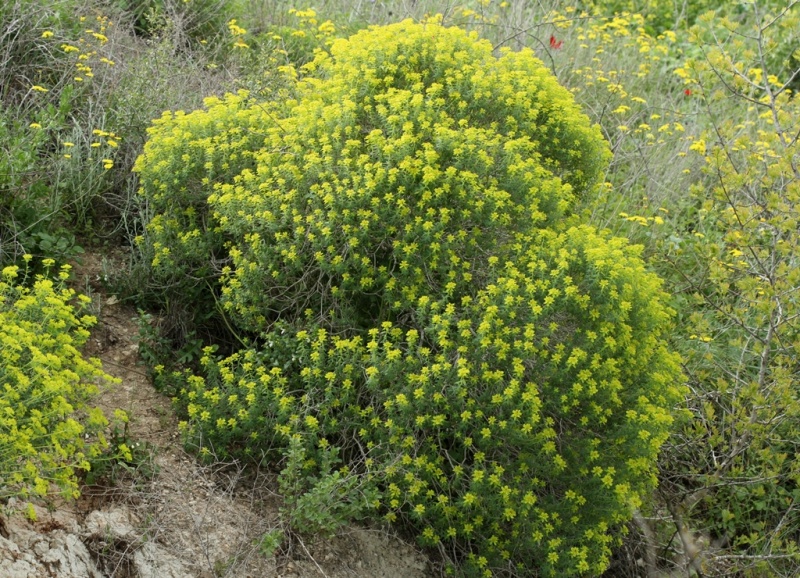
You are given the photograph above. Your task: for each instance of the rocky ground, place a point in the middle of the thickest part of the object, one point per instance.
(171, 517)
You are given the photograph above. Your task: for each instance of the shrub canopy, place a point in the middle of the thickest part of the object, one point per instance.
(398, 232)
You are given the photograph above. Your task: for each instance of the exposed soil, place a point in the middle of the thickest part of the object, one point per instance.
(171, 516)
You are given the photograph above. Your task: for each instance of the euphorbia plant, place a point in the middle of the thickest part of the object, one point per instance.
(429, 310)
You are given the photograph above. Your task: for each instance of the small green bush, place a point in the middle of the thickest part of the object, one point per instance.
(47, 430)
(400, 236)
(24, 194)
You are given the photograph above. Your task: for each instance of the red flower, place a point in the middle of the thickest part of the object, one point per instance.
(553, 44)
(687, 92)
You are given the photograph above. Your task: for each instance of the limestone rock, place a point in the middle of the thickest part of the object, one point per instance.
(57, 553)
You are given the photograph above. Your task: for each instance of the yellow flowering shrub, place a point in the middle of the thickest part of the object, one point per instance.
(518, 426)
(411, 150)
(186, 157)
(47, 430)
(524, 423)
(431, 316)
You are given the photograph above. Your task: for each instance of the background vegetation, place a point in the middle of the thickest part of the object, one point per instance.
(695, 100)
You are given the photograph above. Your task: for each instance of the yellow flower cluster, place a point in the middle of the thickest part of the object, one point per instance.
(46, 386)
(86, 51)
(310, 25)
(237, 32)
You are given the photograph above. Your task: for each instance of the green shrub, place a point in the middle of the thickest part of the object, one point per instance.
(33, 216)
(400, 237)
(24, 195)
(319, 500)
(47, 429)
